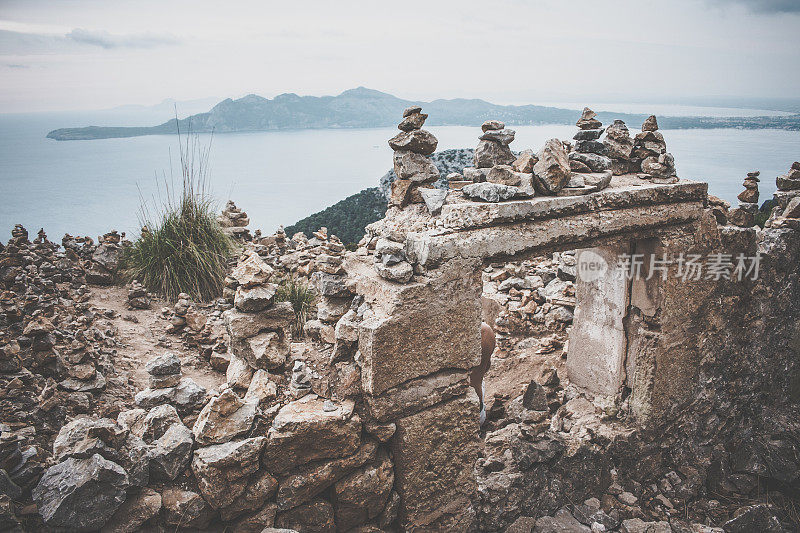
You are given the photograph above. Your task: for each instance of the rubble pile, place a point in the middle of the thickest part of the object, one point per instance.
(532, 297)
(412, 166)
(234, 222)
(744, 215)
(650, 154)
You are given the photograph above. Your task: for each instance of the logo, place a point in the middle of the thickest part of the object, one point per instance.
(591, 266)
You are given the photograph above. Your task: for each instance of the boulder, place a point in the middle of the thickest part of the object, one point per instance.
(595, 162)
(400, 272)
(303, 431)
(171, 453)
(267, 350)
(221, 470)
(413, 121)
(415, 167)
(501, 136)
(245, 325)
(80, 494)
(491, 153)
(492, 192)
(331, 285)
(84, 436)
(504, 175)
(561, 522)
(492, 125)
(362, 495)
(185, 508)
(164, 365)
(310, 480)
(434, 199)
(224, 418)
(650, 124)
(618, 141)
(417, 141)
(255, 299)
(524, 162)
(260, 489)
(156, 422)
(239, 373)
(551, 173)
(251, 271)
(313, 517)
(136, 510)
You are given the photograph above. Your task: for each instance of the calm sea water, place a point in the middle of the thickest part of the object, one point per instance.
(90, 187)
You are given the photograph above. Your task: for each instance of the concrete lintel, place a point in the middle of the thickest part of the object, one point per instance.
(624, 192)
(431, 249)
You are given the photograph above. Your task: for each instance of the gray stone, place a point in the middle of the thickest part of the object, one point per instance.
(137, 509)
(415, 167)
(188, 395)
(491, 153)
(597, 163)
(80, 494)
(417, 141)
(492, 125)
(475, 175)
(331, 285)
(164, 365)
(561, 522)
(400, 272)
(221, 470)
(591, 147)
(492, 192)
(504, 136)
(650, 124)
(171, 453)
(255, 298)
(223, 418)
(434, 199)
(551, 173)
(413, 121)
(588, 135)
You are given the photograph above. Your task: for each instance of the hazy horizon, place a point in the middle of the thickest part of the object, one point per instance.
(90, 55)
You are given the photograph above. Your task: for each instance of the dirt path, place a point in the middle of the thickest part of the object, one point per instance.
(141, 334)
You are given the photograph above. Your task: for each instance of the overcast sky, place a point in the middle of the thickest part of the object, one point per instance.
(58, 55)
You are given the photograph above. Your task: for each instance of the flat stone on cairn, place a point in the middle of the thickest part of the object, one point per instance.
(750, 193)
(411, 165)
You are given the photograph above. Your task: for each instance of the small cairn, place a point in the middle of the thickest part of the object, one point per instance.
(492, 150)
(300, 383)
(104, 262)
(259, 328)
(590, 155)
(787, 212)
(744, 215)
(335, 297)
(177, 319)
(619, 144)
(167, 386)
(391, 262)
(234, 222)
(138, 298)
(412, 166)
(650, 153)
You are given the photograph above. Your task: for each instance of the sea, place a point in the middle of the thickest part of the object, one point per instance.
(91, 187)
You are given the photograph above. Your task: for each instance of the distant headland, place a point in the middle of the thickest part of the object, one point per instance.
(368, 108)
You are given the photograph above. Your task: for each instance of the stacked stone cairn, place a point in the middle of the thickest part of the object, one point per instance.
(168, 386)
(104, 262)
(744, 215)
(138, 297)
(185, 314)
(259, 327)
(391, 261)
(590, 155)
(234, 222)
(413, 167)
(650, 154)
(335, 298)
(619, 143)
(787, 211)
(303, 256)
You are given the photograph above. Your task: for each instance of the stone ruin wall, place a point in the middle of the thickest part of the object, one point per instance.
(384, 433)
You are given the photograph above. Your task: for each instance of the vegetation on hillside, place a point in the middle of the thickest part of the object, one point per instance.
(301, 296)
(182, 248)
(345, 219)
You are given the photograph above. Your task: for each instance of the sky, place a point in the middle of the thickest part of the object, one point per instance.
(73, 55)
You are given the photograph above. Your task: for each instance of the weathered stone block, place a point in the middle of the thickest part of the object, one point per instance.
(418, 394)
(303, 431)
(434, 454)
(244, 325)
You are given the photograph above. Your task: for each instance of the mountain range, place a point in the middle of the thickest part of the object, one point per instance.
(368, 108)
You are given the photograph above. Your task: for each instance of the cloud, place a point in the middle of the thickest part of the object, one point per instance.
(108, 41)
(16, 65)
(771, 6)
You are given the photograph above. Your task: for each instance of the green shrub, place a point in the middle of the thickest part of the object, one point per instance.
(301, 296)
(183, 248)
